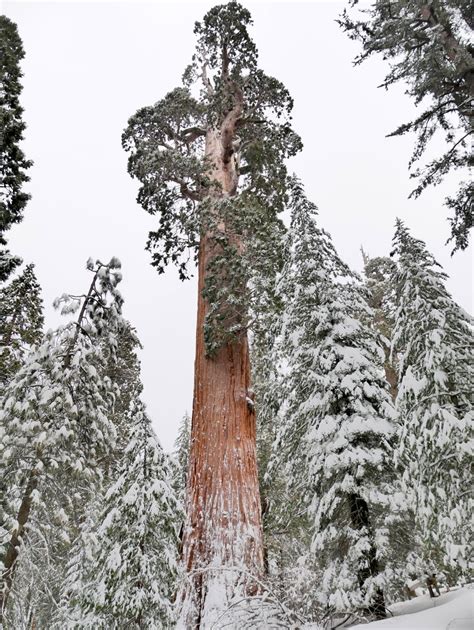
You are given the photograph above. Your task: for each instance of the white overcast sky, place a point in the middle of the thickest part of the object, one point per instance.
(90, 65)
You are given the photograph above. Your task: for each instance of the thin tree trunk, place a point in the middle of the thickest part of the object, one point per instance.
(15, 541)
(360, 520)
(222, 543)
(391, 376)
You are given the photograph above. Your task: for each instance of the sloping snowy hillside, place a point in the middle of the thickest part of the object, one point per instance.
(450, 611)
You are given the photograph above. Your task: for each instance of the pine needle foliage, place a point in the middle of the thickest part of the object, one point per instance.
(434, 342)
(429, 48)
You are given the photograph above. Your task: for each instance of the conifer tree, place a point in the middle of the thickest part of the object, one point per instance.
(54, 535)
(337, 425)
(129, 579)
(289, 566)
(123, 369)
(212, 168)
(434, 340)
(181, 458)
(21, 321)
(428, 47)
(13, 163)
(54, 420)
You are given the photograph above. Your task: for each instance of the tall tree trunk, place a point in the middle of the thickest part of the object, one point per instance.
(222, 543)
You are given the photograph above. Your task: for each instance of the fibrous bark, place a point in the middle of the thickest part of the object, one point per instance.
(223, 545)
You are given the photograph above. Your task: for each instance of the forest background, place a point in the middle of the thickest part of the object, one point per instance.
(88, 65)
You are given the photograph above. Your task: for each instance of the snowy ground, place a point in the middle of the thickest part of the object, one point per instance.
(450, 611)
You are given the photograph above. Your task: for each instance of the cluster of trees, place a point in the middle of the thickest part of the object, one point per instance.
(366, 416)
(327, 455)
(89, 515)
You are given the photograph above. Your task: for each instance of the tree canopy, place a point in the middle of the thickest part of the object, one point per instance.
(13, 163)
(428, 48)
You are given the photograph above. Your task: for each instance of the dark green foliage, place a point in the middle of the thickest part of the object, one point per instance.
(249, 253)
(462, 220)
(222, 36)
(160, 139)
(13, 162)
(21, 321)
(427, 46)
(167, 145)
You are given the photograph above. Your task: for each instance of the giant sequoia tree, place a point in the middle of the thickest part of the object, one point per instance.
(210, 158)
(427, 45)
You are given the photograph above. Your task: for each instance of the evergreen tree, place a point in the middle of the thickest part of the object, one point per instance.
(181, 458)
(53, 535)
(210, 158)
(54, 421)
(21, 321)
(290, 574)
(434, 341)
(123, 369)
(13, 163)
(129, 579)
(337, 425)
(427, 44)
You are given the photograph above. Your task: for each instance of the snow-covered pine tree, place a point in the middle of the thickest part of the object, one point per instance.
(13, 163)
(289, 574)
(434, 341)
(337, 425)
(42, 570)
(21, 321)
(128, 577)
(211, 160)
(181, 458)
(54, 421)
(429, 48)
(123, 369)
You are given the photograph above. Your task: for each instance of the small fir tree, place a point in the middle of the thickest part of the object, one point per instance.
(434, 340)
(21, 321)
(123, 369)
(290, 574)
(181, 458)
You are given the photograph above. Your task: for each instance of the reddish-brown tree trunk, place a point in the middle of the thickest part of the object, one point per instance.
(222, 543)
